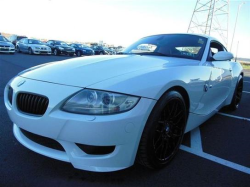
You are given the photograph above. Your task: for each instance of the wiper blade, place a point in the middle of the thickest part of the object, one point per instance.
(153, 54)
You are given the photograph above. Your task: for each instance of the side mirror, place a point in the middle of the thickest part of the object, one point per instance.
(223, 56)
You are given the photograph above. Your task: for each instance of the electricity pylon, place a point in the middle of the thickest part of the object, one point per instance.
(211, 17)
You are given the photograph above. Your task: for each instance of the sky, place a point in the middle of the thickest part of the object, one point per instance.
(118, 22)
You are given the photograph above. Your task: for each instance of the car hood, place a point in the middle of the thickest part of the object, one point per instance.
(86, 48)
(6, 43)
(86, 71)
(65, 47)
(38, 45)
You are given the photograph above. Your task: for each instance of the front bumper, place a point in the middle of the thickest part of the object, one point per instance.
(40, 51)
(120, 130)
(7, 50)
(66, 52)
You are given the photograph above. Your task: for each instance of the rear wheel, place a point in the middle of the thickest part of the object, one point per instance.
(237, 94)
(163, 132)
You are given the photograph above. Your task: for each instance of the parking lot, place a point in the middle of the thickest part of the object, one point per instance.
(215, 154)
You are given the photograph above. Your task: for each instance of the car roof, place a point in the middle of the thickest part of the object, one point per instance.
(193, 34)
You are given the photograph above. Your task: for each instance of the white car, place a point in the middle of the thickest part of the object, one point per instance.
(102, 113)
(32, 46)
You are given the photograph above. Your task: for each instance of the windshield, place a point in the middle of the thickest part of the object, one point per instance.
(60, 43)
(173, 45)
(3, 39)
(31, 41)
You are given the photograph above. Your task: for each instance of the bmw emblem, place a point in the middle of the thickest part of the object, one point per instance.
(21, 83)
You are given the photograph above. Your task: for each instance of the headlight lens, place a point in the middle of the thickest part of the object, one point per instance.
(99, 102)
(60, 48)
(35, 47)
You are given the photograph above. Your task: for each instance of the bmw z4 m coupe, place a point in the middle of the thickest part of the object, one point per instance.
(102, 113)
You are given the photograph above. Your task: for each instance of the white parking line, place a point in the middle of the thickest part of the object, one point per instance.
(216, 159)
(245, 92)
(247, 81)
(196, 140)
(233, 116)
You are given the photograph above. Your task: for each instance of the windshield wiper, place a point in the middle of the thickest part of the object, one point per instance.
(153, 54)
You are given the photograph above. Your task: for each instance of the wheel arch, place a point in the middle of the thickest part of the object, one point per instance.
(183, 93)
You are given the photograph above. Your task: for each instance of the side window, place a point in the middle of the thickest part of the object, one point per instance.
(25, 41)
(215, 47)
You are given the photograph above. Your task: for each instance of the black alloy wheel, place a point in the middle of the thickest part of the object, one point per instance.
(163, 132)
(237, 94)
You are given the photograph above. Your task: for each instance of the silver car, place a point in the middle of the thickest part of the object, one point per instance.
(32, 46)
(6, 46)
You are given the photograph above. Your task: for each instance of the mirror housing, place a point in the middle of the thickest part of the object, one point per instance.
(223, 56)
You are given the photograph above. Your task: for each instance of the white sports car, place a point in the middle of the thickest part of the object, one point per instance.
(102, 113)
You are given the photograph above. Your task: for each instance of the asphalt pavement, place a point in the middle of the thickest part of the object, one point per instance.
(216, 154)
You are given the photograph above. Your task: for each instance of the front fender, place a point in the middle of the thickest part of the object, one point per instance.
(154, 82)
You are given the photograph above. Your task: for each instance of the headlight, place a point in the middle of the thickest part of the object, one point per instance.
(60, 48)
(73, 49)
(99, 102)
(83, 50)
(35, 47)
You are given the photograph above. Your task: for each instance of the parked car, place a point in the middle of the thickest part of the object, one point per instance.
(99, 50)
(104, 113)
(6, 46)
(81, 49)
(60, 47)
(15, 38)
(32, 46)
(109, 51)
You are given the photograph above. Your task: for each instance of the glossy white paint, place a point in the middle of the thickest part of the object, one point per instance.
(223, 55)
(210, 85)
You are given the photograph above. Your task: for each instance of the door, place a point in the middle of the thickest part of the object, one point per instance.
(218, 87)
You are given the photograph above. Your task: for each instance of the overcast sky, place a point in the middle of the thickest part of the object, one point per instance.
(118, 22)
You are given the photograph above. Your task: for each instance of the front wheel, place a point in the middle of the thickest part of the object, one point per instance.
(55, 52)
(163, 132)
(78, 53)
(18, 49)
(237, 94)
(30, 51)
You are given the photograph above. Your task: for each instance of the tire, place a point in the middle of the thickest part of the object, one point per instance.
(18, 50)
(55, 52)
(237, 94)
(164, 131)
(30, 51)
(78, 53)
